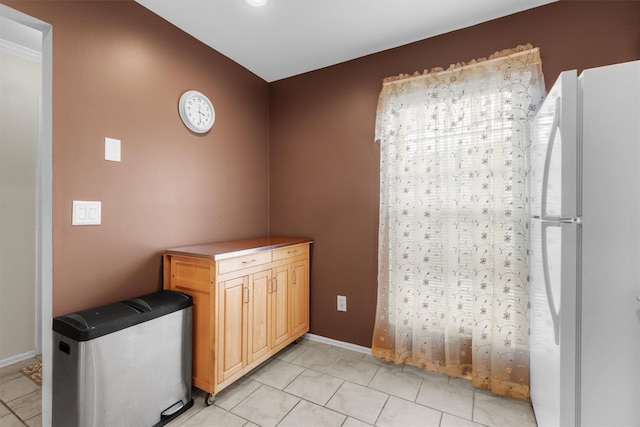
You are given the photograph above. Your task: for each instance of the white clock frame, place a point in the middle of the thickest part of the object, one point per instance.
(195, 123)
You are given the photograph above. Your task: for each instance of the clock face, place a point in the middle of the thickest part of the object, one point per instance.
(196, 111)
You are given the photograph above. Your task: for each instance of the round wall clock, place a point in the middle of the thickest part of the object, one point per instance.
(196, 111)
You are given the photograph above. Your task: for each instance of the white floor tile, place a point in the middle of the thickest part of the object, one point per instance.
(345, 352)
(235, 393)
(449, 420)
(276, 373)
(4, 410)
(402, 413)
(355, 370)
(266, 406)
(462, 382)
(352, 422)
(27, 406)
(314, 386)
(213, 416)
(35, 421)
(17, 387)
(11, 421)
(294, 350)
(358, 402)
(396, 382)
(319, 358)
(311, 415)
(497, 411)
(446, 397)
(431, 376)
(378, 361)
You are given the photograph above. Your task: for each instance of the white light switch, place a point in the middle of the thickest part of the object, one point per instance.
(86, 213)
(112, 149)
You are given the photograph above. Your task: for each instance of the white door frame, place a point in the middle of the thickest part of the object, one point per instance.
(44, 191)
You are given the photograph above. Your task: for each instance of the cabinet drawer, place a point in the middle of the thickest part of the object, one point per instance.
(246, 261)
(191, 273)
(290, 252)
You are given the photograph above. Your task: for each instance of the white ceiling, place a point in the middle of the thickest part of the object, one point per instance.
(289, 37)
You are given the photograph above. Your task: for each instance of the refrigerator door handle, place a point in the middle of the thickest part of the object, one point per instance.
(547, 281)
(547, 161)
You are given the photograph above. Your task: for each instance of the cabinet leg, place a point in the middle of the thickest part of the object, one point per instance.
(209, 399)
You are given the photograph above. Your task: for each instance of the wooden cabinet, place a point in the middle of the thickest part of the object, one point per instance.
(251, 299)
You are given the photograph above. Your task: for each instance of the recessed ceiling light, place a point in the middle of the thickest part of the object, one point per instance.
(256, 3)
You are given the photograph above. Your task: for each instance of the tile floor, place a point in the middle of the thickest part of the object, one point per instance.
(20, 398)
(316, 384)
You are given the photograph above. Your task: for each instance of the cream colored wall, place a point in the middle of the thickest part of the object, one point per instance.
(20, 85)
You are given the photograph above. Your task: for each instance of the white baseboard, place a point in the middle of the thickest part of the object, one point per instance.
(17, 358)
(342, 344)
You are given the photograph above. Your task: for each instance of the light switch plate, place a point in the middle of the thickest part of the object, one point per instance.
(112, 149)
(86, 213)
(342, 303)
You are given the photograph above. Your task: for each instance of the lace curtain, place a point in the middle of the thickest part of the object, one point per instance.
(453, 290)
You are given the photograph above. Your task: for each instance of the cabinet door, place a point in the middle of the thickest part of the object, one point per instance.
(300, 297)
(232, 327)
(259, 313)
(280, 305)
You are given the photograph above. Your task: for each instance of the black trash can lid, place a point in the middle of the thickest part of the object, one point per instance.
(93, 323)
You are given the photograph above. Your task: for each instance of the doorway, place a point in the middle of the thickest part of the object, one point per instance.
(21, 87)
(44, 220)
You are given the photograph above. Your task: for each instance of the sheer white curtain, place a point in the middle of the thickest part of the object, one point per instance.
(453, 289)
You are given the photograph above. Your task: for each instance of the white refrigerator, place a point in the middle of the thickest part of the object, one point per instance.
(585, 250)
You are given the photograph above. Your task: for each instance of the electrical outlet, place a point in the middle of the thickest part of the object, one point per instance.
(342, 303)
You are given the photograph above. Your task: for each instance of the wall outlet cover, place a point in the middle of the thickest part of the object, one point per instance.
(342, 303)
(112, 149)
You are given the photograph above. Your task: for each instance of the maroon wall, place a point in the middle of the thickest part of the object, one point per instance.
(324, 163)
(119, 71)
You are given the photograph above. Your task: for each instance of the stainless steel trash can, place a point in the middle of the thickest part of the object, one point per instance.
(123, 364)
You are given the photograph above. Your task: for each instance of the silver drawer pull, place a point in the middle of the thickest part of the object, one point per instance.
(249, 262)
(292, 252)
